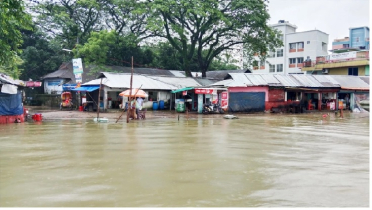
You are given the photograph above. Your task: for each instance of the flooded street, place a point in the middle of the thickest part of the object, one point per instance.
(258, 160)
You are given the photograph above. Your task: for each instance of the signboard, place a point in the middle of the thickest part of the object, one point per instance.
(77, 66)
(224, 100)
(203, 91)
(345, 55)
(184, 93)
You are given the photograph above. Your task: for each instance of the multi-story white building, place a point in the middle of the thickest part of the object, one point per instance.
(298, 46)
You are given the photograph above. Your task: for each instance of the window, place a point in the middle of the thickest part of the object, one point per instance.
(279, 53)
(292, 46)
(271, 54)
(279, 67)
(272, 68)
(292, 60)
(353, 71)
(308, 42)
(300, 45)
(357, 39)
(262, 63)
(300, 60)
(345, 45)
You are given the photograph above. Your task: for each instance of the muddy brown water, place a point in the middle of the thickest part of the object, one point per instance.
(258, 160)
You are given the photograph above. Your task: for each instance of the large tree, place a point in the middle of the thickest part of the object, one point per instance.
(41, 55)
(108, 48)
(13, 19)
(196, 26)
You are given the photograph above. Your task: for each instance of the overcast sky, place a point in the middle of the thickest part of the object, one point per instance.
(333, 17)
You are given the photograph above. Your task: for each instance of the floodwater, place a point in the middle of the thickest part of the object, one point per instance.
(258, 160)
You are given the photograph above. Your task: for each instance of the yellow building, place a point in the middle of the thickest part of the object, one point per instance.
(347, 63)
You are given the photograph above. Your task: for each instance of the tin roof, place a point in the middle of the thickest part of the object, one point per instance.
(295, 80)
(5, 79)
(148, 82)
(351, 82)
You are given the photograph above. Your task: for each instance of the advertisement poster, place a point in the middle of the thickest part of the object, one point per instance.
(77, 66)
(224, 100)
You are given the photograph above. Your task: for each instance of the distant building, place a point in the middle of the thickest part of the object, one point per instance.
(350, 56)
(298, 46)
(358, 40)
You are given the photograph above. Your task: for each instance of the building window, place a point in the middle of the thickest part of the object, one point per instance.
(324, 46)
(308, 42)
(357, 39)
(292, 60)
(300, 60)
(279, 67)
(353, 71)
(292, 46)
(300, 45)
(271, 54)
(345, 45)
(279, 53)
(272, 68)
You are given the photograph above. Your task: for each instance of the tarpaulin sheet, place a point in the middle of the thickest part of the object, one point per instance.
(247, 102)
(11, 104)
(86, 88)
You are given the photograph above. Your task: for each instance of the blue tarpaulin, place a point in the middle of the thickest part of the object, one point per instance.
(11, 104)
(86, 88)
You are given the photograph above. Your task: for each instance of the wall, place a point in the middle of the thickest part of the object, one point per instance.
(51, 85)
(345, 71)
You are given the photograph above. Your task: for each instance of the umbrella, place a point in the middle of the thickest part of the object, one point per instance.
(135, 93)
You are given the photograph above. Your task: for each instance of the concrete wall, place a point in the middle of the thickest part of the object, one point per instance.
(345, 71)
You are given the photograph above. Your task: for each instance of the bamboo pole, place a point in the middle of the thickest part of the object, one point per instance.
(130, 94)
(99, 95)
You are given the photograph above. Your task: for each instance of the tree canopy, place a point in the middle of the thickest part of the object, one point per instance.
(211, 26)
(13, 18)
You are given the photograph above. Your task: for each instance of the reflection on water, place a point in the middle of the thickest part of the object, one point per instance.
(255, 161)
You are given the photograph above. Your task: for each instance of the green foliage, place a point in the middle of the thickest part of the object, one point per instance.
(109, 48)
(210, 26)
(13, 18)
(40, 55)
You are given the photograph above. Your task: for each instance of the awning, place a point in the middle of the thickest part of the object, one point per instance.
(182, 89)
(86, 88)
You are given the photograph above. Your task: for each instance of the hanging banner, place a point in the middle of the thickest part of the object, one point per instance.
(203, 91)
(77, 66)
(345, 55)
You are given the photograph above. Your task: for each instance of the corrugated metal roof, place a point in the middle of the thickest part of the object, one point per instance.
(287, 81)
(365, 79)
(326, 81)
(221, 74)
(179, 82)
(306, 80)
(271, 79)
(256, 79)
(295, 80)
(122, 80)
(5, 79)
(239, 80)
(350, 82)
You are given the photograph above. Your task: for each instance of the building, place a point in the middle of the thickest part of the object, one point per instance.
(358, 40)
(298, 46)
(294, 92)
(350, 56)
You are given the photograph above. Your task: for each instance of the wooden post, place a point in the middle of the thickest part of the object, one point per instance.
(99, 95)
(130, 94)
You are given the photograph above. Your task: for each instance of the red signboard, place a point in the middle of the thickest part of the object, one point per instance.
(184, 93)
(224, 95)
(203, 91)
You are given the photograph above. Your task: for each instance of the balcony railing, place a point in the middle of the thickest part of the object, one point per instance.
(324, 59)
